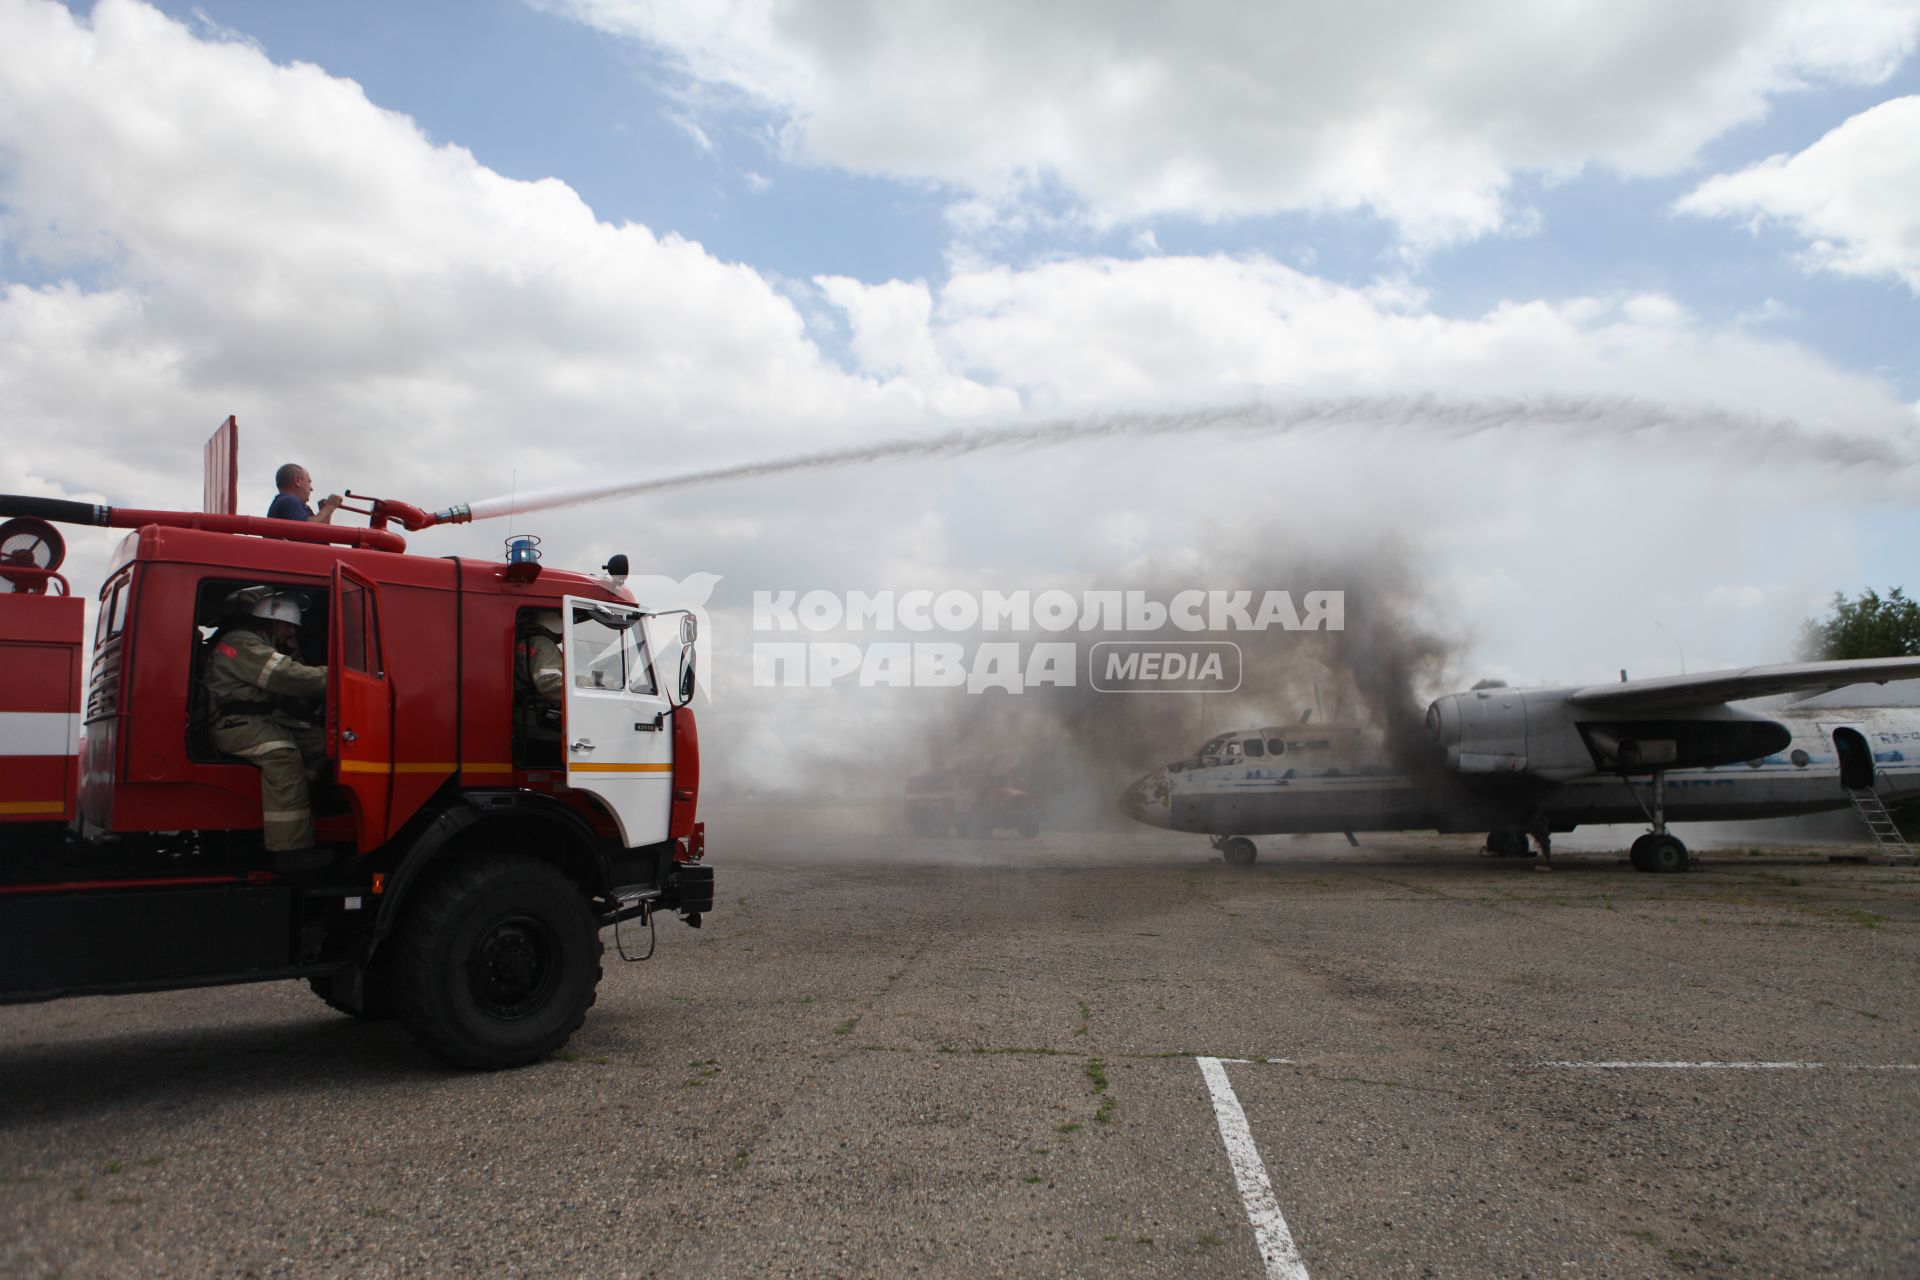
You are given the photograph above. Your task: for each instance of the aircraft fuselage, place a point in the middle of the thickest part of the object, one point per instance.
(1358, 790)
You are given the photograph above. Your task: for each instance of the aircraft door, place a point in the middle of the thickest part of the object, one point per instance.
(360, 705)
(618, 723)
(1856, 759)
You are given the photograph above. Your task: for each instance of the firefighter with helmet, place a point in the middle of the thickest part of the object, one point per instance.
(538, 682)
(258, 688)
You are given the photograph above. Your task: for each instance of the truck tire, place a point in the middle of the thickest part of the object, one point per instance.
(497, 961)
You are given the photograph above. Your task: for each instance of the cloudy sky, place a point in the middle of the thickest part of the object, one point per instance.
(442, 251)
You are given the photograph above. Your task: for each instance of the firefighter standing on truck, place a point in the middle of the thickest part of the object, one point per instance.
(256, 686)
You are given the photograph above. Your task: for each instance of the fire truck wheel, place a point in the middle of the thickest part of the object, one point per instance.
(498, 961)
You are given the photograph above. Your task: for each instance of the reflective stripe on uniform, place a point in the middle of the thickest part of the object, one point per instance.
(263, 748)
(285, 815)
(272, 665)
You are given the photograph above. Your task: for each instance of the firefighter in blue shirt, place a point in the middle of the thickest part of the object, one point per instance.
(296, 486)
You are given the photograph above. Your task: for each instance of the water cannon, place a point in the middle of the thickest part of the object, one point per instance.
(409, 517)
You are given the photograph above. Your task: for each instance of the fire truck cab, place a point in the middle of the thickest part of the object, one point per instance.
(476, 844)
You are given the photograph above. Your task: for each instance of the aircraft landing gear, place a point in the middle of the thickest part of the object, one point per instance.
(1239, 851)
(1657, 850)
(1507, 842)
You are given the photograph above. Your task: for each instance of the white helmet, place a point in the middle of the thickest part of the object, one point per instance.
(279, 607)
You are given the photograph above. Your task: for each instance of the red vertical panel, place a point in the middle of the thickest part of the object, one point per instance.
(220, 492)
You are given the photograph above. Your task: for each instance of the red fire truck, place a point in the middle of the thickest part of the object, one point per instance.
(473, 860)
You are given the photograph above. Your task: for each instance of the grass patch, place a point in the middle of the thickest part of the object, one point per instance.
(1097, 1072)
(1143, 1239)
(1208, 1240)
(1071, 1126)
(81, 1194)
(113, 1166)
(741, 1158)
(846, 1028)
(1031, 1178)
(1105, 1112)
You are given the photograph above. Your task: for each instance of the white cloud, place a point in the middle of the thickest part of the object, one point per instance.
(279, 246)
(1418, 113)
(1769, 311)
(1854, 195)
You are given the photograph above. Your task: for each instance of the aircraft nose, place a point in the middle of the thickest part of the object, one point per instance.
(1148, 799)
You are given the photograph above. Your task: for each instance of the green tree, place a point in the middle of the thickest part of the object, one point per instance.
(1869, 626)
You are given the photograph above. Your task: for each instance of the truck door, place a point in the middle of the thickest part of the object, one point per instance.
(359, 704)
(618, 730)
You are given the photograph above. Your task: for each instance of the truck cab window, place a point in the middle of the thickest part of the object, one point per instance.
(609, 652)
(359, 630)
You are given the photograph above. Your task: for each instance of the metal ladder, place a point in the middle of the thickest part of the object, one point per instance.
(1880, 823)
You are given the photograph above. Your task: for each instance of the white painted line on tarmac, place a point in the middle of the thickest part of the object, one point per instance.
(1250, 1174)
(1734, 1066)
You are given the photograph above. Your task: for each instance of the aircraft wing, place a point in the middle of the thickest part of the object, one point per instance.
(1708, 688)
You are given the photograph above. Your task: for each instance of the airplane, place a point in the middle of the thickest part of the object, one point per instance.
(1520, 762)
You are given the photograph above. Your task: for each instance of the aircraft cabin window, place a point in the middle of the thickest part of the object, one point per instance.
(1255, 748)
(1276, 746)
(1800, 758)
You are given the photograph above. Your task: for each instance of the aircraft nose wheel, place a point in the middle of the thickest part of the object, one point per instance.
(1239, 851)
(1658, 852)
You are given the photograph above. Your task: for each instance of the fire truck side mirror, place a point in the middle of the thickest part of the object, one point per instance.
(686, 674)
(689, 629)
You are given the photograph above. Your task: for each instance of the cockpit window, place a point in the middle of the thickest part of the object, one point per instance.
(1214, 745)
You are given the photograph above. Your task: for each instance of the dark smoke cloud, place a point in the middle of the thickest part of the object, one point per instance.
(1079, 748)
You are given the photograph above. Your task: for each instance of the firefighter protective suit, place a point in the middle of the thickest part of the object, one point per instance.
(256, 690)
(538, 682)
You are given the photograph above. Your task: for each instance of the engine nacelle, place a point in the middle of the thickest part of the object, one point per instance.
(1545, 733)
(1483, 731)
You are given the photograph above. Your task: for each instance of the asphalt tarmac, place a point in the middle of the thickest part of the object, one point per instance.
(890, 1056)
